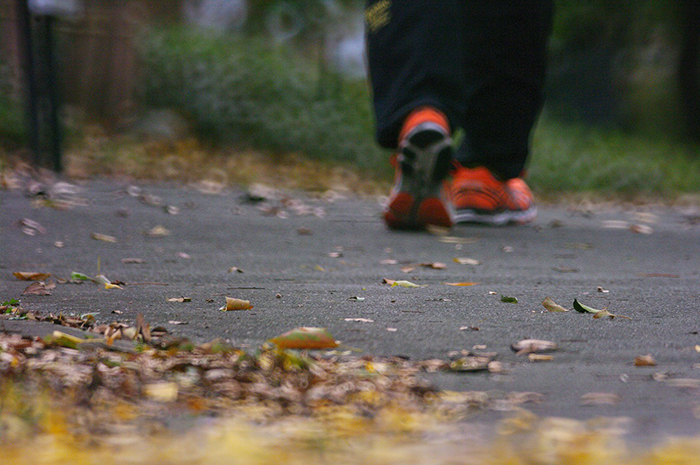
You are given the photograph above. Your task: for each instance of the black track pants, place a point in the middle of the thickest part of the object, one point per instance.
(482, 62)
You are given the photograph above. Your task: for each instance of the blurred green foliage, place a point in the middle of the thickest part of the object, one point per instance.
(12, 123)
(251, 93)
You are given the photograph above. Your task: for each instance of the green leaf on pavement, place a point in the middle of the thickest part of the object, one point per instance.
(75, 276)
(509, 300)
(579, 307)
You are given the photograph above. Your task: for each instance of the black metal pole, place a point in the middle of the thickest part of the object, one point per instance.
(27, 52)
(52, 95)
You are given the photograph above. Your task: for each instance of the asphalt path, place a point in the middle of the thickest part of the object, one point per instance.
(320, 260)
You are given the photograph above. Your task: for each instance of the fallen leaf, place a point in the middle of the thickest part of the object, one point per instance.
(66, 340)
(158, 231)
(579, 307)
(657, 275)
(112, 286)
(467, 261)
(175, 322)
(406, 284)
(644, 361)
(604, 291)
(509, 300)
(161, 392)
(408, 269)
(357, 299)
(641, 229)
(392, 330)
(31, 227)
(552, 306)
(101, 279)
(103, 237)
(37, 288)
(132, 260)
(75, 276)
(389, 261)
(470, 328)
(235, 269)
(461, 284)
(30, 276)
(470, 363)
(236, 304)
(305, 338)
(599, 398)
(684, 383)
(458, 240)
(612, 316)
(360, 320)
(434, 265)
(180, 299)
(528, 346)
(539, 358)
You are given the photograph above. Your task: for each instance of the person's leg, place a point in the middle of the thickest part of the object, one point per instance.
(415, 60)
(505, 54)
(415, 70)
(505, 49)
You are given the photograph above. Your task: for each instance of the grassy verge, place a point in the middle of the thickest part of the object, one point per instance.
(574, 159)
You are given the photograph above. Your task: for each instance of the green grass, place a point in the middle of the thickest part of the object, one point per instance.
(570, 158)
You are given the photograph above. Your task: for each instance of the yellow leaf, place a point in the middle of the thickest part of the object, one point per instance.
(460, 284)
(161, 392)
(305, 338)
(404, 284)
(112, 286)
(103, 237)
(236, 304)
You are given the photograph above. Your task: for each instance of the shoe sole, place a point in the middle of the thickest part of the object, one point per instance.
(496, 219)
(427, 157)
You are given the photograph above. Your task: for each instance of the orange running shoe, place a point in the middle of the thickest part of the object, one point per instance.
(479, 197)
(420, 197)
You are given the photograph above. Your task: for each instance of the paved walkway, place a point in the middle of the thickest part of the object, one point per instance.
(305, 261)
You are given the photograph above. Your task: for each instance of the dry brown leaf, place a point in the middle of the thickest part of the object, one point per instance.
(599, 398)
(644, 361)
(37, 288)
(233, 304)
(434, 265)
(540, 358)
(30, 275)
(103, 237)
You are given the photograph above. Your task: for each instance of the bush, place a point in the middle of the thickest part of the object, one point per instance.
(254, 94)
